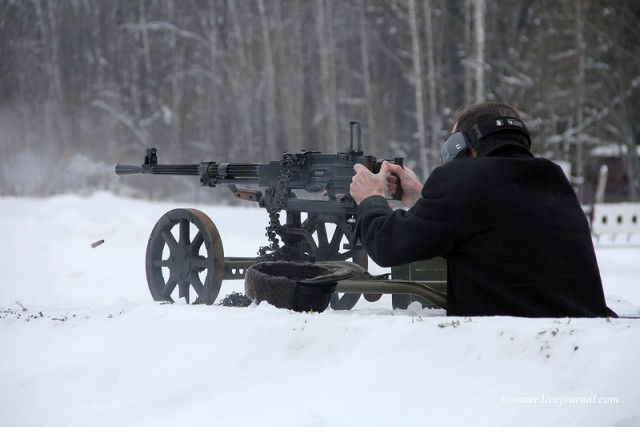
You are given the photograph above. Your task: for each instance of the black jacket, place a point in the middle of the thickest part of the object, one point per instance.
(515, 237)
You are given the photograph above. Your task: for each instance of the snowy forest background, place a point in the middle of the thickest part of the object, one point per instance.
(85, 84)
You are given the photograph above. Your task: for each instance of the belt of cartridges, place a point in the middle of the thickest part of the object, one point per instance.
(273, 250)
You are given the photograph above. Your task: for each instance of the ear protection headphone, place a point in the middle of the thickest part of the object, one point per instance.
(458, 145)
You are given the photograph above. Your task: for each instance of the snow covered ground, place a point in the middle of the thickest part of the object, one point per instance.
(83, 343)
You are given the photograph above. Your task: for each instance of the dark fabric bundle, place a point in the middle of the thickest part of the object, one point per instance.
(300, 286)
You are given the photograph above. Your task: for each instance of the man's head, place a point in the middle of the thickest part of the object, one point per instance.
(481, 127)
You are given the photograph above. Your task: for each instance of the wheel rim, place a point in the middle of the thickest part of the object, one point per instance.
(184, 253)
(329, 250)
(349, 300)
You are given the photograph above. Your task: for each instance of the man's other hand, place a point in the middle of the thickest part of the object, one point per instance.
(411, 185)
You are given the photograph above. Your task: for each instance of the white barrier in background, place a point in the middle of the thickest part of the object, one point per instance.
(615, 219)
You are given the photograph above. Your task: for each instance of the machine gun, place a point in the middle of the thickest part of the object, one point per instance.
(301, 182)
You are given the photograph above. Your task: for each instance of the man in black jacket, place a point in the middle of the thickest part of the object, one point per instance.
(516, 240)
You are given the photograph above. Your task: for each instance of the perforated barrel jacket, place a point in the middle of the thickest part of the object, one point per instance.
(515, 237)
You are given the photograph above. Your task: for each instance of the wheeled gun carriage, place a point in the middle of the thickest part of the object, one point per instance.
(191, 256)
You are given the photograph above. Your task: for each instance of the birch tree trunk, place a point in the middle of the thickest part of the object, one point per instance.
(270, 85)
(370, 126)
(580, 88)
(291, 77)
(479, 39)
(327, 76)
(176, 91)
(52, 105)
(145, 36)
(468, 80)
(210, 119)
(435, 122)
(238, 77)
(419, 91)
(299, 134)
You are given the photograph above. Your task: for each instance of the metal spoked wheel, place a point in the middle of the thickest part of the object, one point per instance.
(330, 250)
(185, 252)
(348, 300)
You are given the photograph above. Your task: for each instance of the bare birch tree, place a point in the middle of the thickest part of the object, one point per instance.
(435, 122)
(479, 42)
(269, 73)
(370, 127)
(466, 62)
(580, 85)
(326, 52)
(291, 74)
(239, 78)
(419, 91)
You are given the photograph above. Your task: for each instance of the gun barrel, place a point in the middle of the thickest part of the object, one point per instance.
(234, 170)
(124, 169)
(175, 169)
(212, 173)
